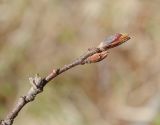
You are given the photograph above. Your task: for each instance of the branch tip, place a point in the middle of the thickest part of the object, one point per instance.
(93, 55)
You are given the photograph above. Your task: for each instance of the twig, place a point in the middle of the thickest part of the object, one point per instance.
(91, 56)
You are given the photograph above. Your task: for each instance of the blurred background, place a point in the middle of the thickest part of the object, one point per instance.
(123, 89)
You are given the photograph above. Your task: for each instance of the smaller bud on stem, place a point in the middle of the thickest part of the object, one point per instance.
(96, 57)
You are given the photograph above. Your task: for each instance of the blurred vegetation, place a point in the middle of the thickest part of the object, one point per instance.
(36, 36)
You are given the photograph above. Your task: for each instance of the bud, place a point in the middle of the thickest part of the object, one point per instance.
(96, 57)
(113, 41)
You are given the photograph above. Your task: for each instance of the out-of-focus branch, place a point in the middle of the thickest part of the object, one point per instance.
(91, 56)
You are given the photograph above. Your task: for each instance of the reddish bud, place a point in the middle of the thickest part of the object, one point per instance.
(113, 41)
(96, 57)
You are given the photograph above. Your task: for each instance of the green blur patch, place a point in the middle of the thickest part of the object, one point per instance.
(66, 35)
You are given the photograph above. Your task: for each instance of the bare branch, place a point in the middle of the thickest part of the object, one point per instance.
(91, 56)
